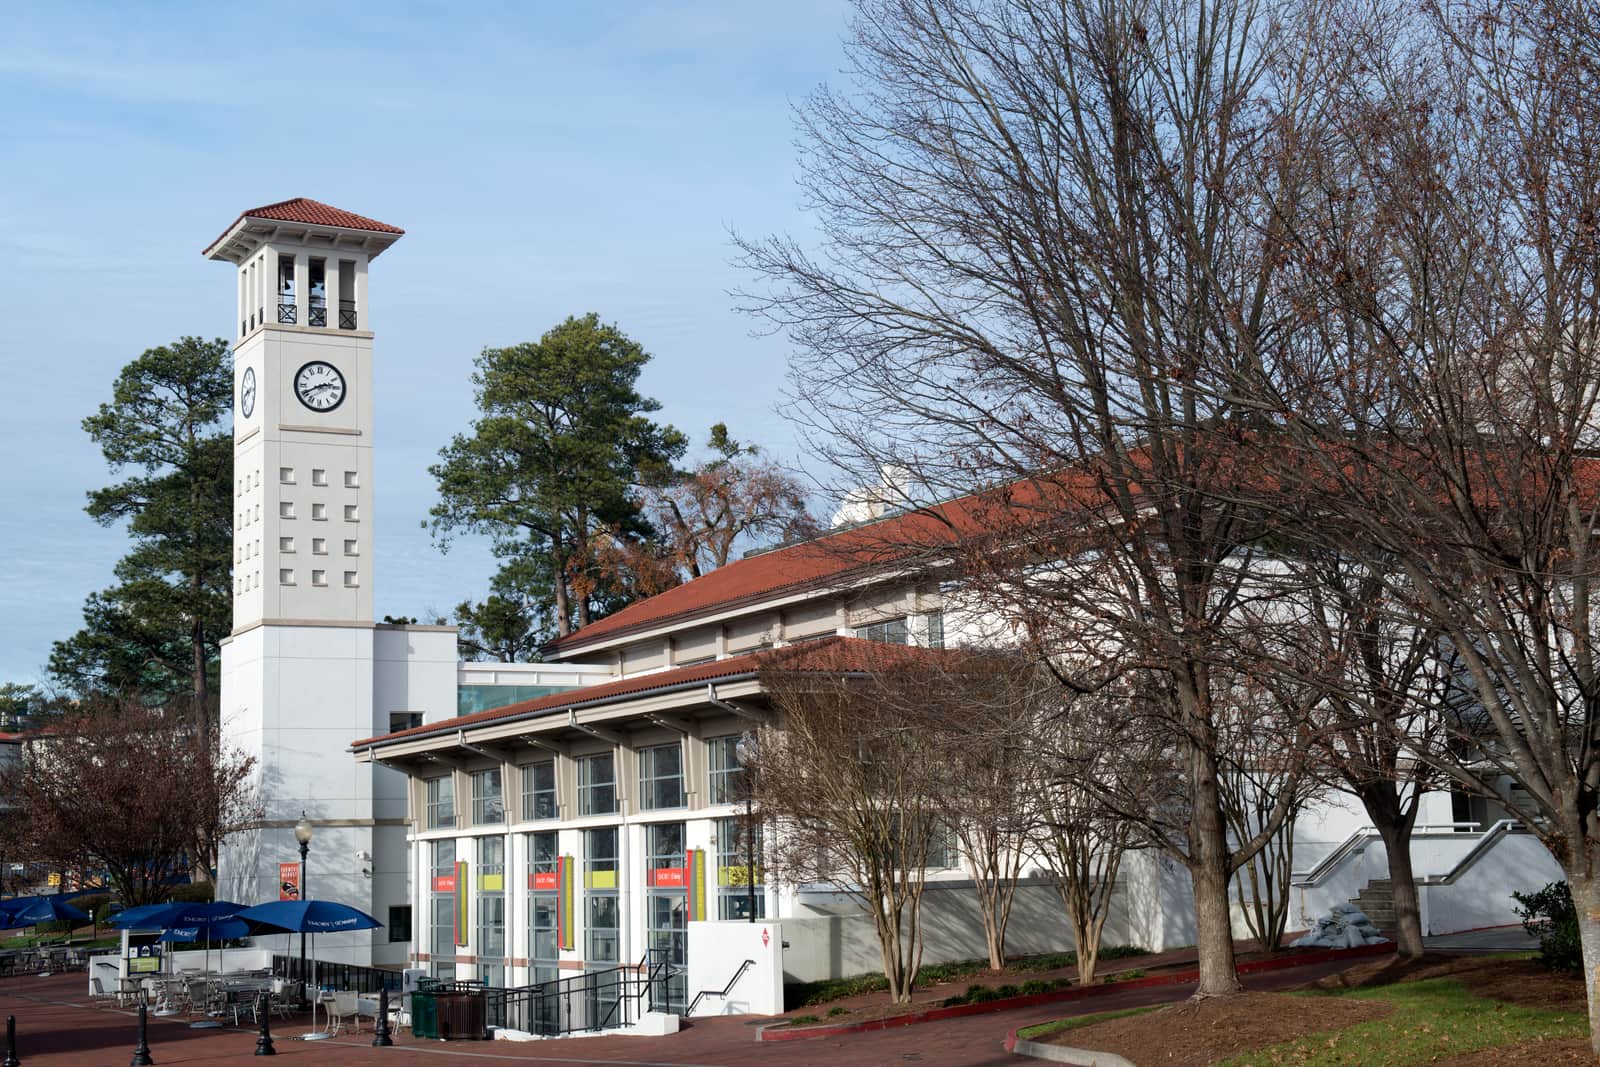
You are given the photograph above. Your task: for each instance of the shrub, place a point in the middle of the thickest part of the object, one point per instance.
(811, 994)
(1036, 985)
(1550, 916)
(802, 1020)
(1008, 991)
(192, 892)
(838, 1009)
(98, 905)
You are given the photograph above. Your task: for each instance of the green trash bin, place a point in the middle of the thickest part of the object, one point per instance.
(424, 1013)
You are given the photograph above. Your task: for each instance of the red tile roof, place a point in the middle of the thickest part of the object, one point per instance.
(853, 552)
(310, 212)
(825, 655)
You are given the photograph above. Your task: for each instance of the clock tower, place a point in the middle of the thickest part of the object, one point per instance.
(306, 670)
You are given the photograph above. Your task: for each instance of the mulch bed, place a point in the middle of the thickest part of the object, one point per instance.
(868, 1007)
(1194, 1034)
(1200, 1032)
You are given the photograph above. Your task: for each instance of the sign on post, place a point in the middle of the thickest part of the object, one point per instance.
(288, 881)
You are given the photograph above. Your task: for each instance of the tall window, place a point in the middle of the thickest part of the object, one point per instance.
(936, 629)
(727, 778)
(545, 950)
(539, 790)
(442, 909)
(488, 804)
(441, 795)
(317, 283)
(597, 784)
(667, 907)
(661, 777)
(490, 942)
(737, 844)
(600, 895)
(891, 631)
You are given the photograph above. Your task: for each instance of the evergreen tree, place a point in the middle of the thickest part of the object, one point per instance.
(156, 634)
(562, 441)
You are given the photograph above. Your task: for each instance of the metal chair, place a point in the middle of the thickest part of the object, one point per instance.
(344, 1006)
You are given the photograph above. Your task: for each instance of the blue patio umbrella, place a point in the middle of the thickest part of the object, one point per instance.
(182, 913)
(311, 917)
(53, 908)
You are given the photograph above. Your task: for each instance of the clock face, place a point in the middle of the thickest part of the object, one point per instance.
(319, 386)
(247, 392)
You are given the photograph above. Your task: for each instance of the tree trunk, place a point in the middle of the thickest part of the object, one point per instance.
(1208, 872)
(1586, 900)
(1396, 835)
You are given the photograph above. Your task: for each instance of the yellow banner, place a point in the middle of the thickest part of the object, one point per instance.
(729, 876)
(491, 883)
(600, 880)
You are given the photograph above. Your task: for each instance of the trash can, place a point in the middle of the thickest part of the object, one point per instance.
(461, 1016)
(424, 1013)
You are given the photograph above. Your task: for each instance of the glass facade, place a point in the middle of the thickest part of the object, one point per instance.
(597, 784)
(539, 791)
(488, 798)
(442, 909)
(661, 777)
(475, 698)
(489, 944)
(667, 907)
(737, 842)
(726, 776)
(441, 802)
(602, 918)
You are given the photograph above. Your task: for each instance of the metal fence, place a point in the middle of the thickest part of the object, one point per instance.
(338, 975)
(595, 1000)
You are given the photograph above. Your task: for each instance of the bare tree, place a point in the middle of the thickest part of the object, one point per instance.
(129, 791)
(847, 781)
(984, 722)
(1446, 411)
(1083, 747)
(1051, 241)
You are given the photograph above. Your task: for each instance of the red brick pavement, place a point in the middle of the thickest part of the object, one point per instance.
(58, 1026)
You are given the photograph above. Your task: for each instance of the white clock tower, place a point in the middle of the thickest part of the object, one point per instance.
(307, 670)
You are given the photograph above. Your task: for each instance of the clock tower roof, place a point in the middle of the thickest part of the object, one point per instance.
(304, 220)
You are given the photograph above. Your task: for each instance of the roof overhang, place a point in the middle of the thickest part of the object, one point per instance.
(554, 727)
(246, 236)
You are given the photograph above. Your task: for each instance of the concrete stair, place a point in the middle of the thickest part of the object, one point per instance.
(1377, 900)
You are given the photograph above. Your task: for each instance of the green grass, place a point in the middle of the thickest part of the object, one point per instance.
(1428, 1017)
(1031, 1032)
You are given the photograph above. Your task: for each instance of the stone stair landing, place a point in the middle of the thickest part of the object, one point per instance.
(1377, 900)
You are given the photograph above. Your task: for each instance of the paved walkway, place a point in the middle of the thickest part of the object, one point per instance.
(58, 1026)
(1494, 939)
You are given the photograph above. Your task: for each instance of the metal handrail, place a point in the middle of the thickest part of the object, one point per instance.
(724, 991)
(1368, 834)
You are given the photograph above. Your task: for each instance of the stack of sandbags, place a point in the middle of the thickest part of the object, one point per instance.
(1346, 926)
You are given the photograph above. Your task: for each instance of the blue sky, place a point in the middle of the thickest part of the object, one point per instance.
(544, 159)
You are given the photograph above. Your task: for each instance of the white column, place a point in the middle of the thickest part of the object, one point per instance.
(362, 322)
(330, 286)
(302, 294)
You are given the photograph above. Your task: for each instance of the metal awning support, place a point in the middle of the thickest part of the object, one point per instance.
(755, 715)
(605, 735)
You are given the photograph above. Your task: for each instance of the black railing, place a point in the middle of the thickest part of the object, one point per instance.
(338, 975)
(724, 991)
(595, 1000)
(286, 309)
(347, 314)
(317, 312)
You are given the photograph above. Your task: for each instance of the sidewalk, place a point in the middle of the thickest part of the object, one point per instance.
(58, 1026)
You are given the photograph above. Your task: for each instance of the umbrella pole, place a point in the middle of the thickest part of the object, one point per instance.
(315, 1034)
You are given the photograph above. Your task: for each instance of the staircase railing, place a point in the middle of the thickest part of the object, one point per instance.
(1366, 835)
(724, 991)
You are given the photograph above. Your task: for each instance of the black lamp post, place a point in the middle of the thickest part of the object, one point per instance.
(744, 750)
(302, 834)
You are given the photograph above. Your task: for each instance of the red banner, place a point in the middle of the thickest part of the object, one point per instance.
(668, 877)
(288, 881)
(544, 881)
(444, 883)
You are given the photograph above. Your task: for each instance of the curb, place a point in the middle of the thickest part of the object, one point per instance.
(1082, 1057)
(778, 1032)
